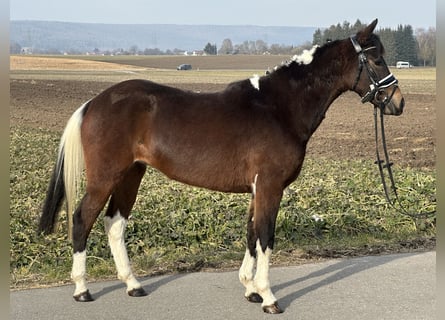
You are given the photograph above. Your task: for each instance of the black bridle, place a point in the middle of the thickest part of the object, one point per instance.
(376, 85)
(375, 88)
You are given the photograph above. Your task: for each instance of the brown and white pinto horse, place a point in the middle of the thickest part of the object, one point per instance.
(249, 138)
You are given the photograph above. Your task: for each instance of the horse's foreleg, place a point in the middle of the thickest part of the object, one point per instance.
(261, 280)
(260, 240)
(116, 220)
(267, 202)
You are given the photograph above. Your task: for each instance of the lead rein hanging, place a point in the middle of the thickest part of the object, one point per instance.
(386, 164)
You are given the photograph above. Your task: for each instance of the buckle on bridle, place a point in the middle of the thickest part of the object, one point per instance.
(357, 46)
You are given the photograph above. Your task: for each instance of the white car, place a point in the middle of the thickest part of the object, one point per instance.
(403, 64)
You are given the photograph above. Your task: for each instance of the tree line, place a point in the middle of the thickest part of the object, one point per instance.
(401, 44)
(258, 47)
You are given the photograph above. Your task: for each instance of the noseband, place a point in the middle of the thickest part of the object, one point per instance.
(376, 85)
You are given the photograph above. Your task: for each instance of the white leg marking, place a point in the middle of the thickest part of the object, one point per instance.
(261, 279)
(115, 228)
(254, 192)
(254, 185)
(79, 271)
(246, 273)
(255, 81)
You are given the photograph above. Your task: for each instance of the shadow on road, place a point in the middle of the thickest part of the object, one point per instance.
(151, 287)
(340, 270)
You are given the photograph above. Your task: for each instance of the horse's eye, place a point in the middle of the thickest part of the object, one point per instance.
(378, 62)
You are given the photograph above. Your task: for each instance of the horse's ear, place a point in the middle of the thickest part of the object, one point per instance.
(364, 34)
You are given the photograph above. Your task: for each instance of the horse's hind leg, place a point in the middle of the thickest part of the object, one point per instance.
(116, 219)
(83, 220)
(99, 188)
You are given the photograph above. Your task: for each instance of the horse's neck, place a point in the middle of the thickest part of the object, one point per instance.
(316, 112)
(310, 99)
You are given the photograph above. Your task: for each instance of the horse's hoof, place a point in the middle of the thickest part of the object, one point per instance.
(139, 292)
(273, 309)
(83, 297)
(255, 298)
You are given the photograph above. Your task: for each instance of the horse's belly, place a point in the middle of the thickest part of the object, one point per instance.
(207, 169)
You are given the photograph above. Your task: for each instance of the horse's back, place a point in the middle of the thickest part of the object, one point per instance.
(211, 140)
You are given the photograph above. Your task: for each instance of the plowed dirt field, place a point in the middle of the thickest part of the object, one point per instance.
(346, 133)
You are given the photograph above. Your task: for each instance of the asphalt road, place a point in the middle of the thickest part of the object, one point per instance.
(399, 286)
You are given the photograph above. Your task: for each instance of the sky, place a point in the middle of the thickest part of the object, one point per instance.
(314, 13)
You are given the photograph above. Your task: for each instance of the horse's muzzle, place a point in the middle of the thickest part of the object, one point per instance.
(391, 103)
(393, 108)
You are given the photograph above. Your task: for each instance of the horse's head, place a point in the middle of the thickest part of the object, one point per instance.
(374, 82)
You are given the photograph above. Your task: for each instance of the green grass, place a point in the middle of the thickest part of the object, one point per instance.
(178, 228)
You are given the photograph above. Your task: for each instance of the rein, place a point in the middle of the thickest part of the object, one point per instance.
(387, 164)
(372, 94)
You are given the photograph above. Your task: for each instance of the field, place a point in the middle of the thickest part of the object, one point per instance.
(194, 229)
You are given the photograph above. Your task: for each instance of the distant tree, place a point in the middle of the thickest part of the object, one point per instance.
(252, 47)
(426, 46)
(387, 37)
(275, 48)
(226, 47)
(133, 49)
(358, 25)
(412, 44)
(153, 52)
(317, 37)
(242, 48)
(335, 32)
(261, 46)
(346, 29)
(177, 51)
(210, 49)
(406, 46)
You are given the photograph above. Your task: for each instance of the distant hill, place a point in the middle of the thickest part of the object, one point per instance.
(66, 36)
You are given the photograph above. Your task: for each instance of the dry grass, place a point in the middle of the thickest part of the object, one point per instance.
(417, 73)
(115, 69)
(219, 62)
(59, 63)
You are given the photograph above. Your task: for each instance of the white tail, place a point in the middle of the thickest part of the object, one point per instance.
(71, 151)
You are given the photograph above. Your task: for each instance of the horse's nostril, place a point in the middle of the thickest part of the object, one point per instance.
(402, 104)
